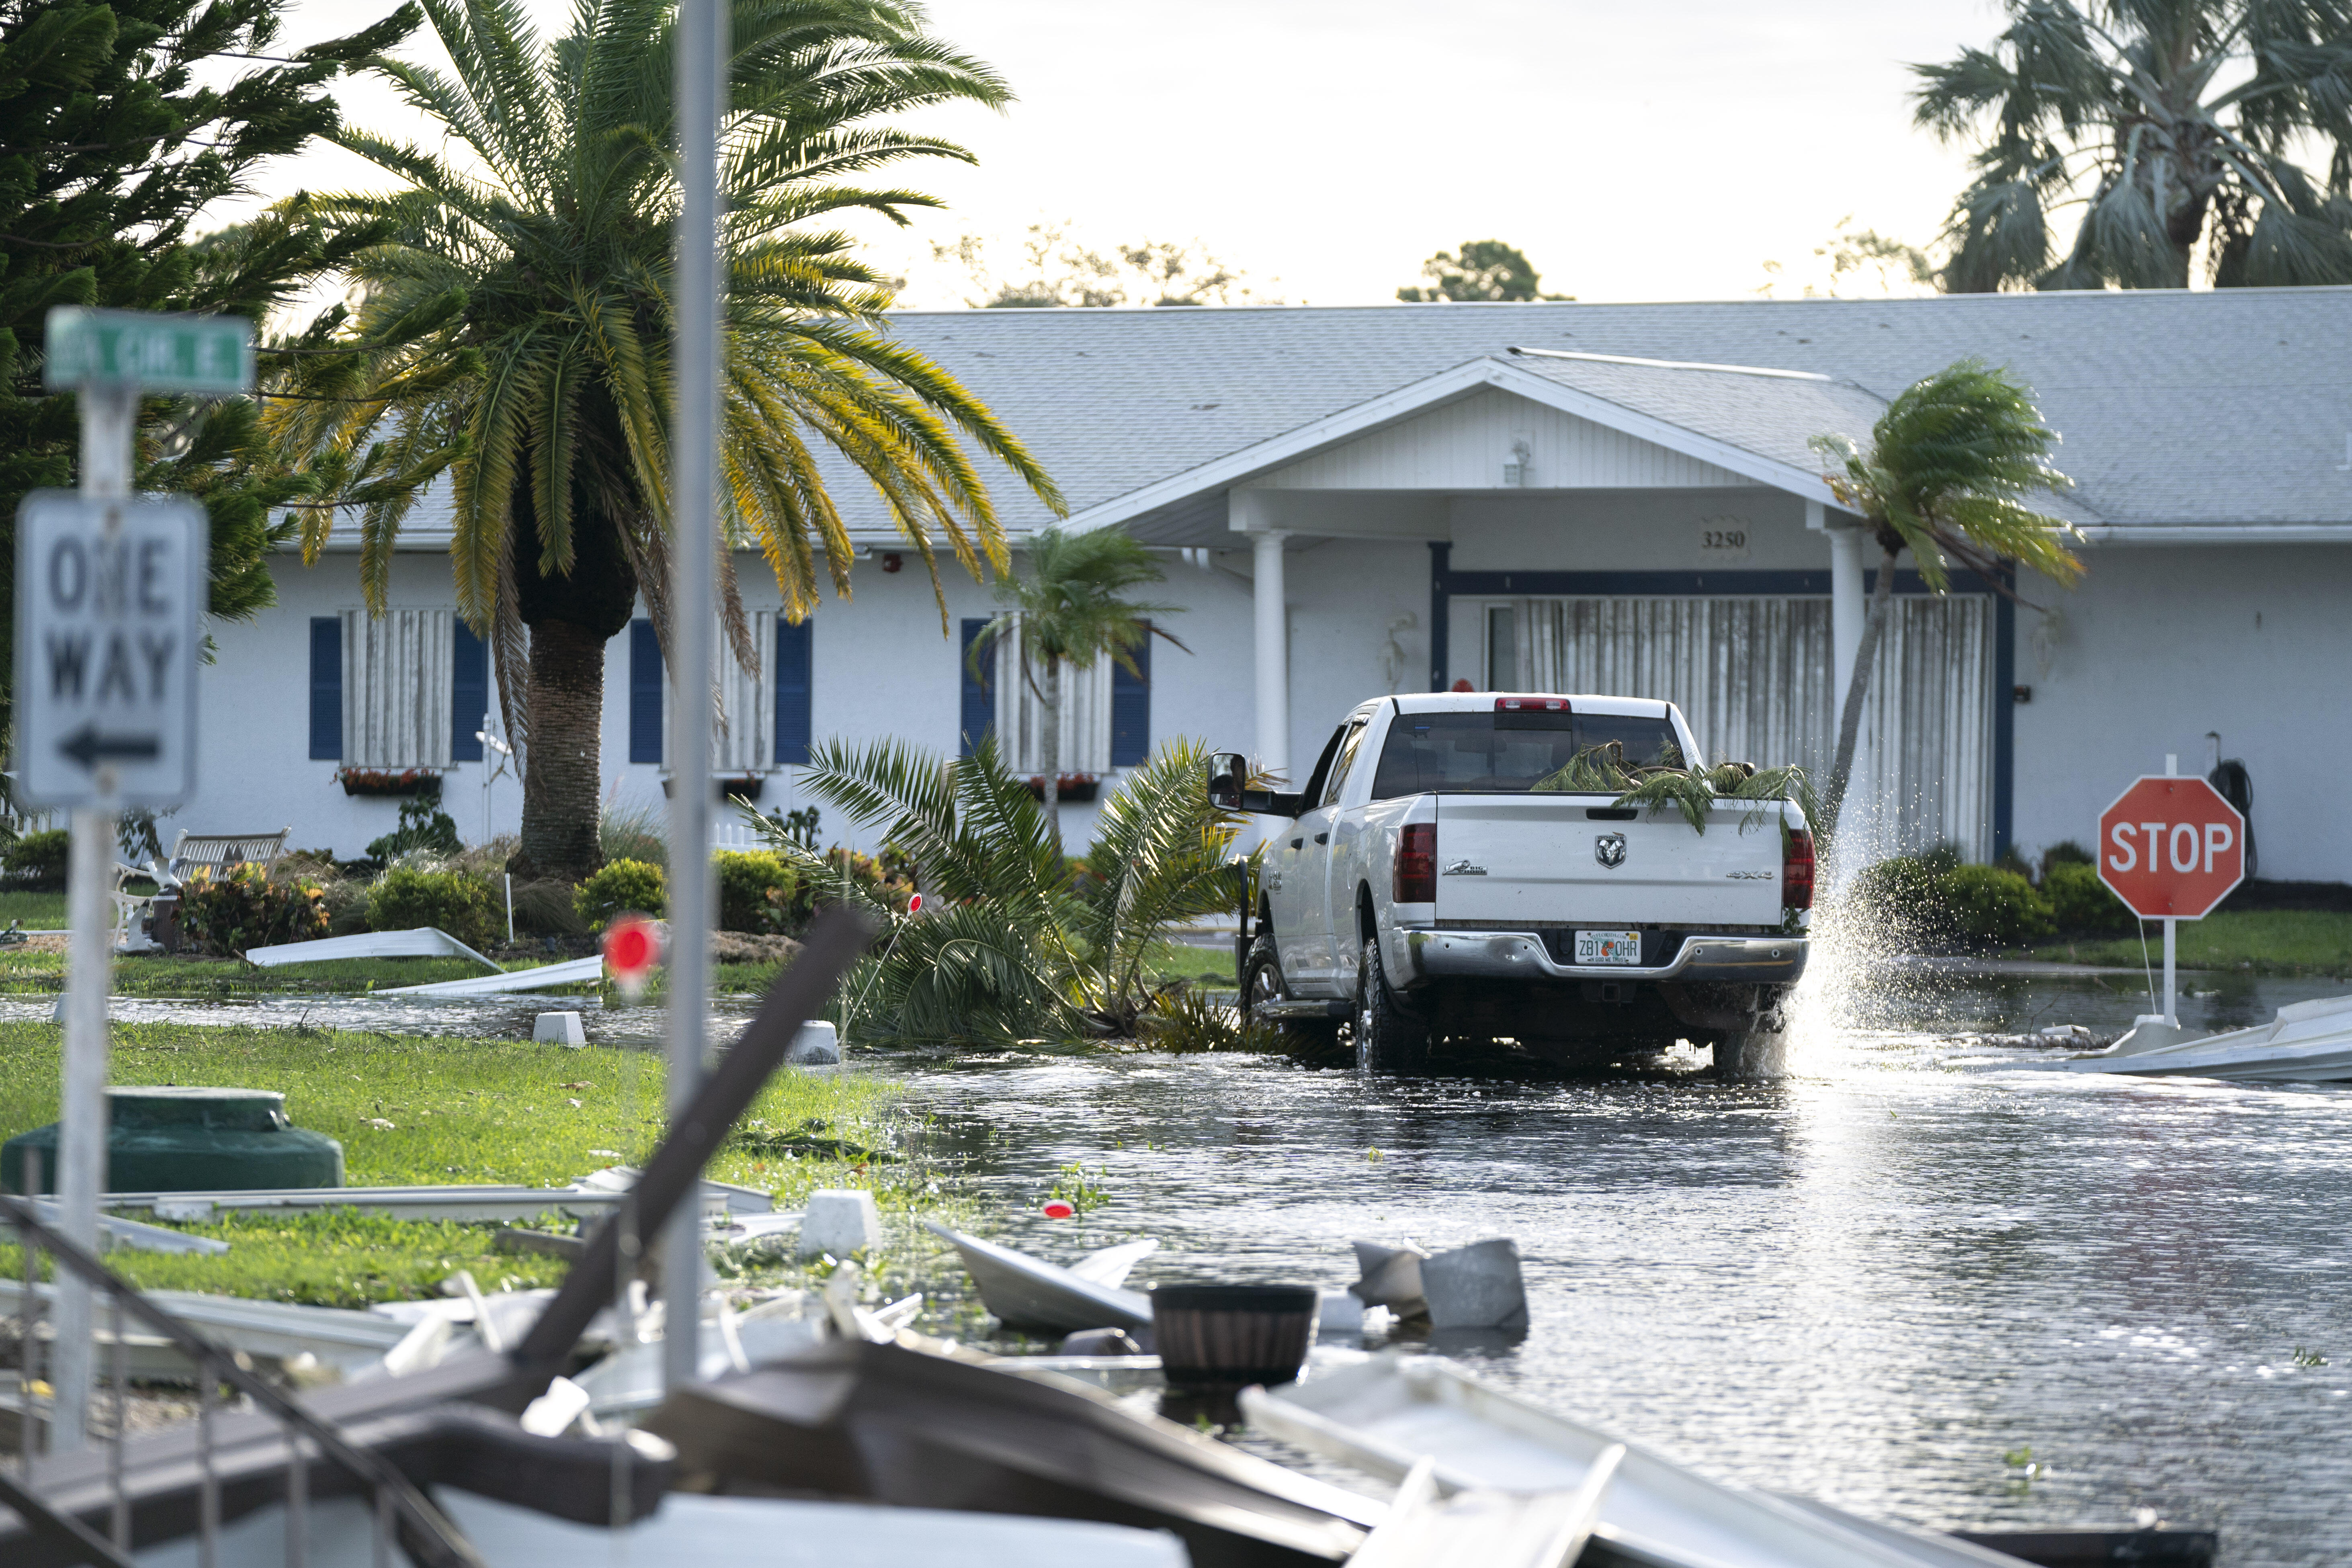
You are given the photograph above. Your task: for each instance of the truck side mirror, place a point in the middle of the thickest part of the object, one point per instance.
(1228, 773)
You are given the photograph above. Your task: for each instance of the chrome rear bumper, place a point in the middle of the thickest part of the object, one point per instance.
(1419, 954)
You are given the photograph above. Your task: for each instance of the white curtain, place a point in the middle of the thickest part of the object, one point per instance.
(1021, 714)
(1752, 677)
(744, 740)
(397, 689)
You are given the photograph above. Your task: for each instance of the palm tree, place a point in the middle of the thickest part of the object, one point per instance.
(1067, 611)
(515, 334)
(1946, 466)
(2172, 123)
(1008, 948)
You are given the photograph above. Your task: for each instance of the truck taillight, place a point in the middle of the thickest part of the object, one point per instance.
(1416, 864)
(1797, 872)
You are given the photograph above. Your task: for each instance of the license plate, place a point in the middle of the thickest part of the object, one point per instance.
(1609, 947)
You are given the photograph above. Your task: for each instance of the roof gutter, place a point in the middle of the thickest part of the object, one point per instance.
(2217, 533)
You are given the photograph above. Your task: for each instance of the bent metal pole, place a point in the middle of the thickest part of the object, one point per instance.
(702, 51)
(108, 411)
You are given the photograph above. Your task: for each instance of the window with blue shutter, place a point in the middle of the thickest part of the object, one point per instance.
(979, 708)
(1130, 708)
(469, 693)
(792, 683)
(327, 689)
(645, 693)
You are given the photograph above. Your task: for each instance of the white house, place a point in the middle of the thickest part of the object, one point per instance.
(1567, 496)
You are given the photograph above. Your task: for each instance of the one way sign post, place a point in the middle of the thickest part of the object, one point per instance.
(110, 596)
(108, 627)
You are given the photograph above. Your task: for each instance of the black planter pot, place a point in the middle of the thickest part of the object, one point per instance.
(423, 786)
(1213, 1336)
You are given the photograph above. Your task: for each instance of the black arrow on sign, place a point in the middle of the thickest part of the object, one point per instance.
(89, 748)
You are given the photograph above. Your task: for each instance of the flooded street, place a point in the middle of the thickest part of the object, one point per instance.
(1881, 1283)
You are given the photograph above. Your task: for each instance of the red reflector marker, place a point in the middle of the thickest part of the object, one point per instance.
(1415, 881)
(1057, 1209)
(1531, 705)
(631, 948)
(1797, 872)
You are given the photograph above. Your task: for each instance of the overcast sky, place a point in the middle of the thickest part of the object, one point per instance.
(1634, 152)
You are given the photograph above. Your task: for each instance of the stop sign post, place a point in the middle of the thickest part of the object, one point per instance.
(2171, 848)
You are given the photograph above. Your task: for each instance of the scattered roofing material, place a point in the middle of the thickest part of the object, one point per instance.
(422, 942)
(1389, 1413)
(874, 1421)
(577, 971)
(120, 1232)
(596, 1193)
(1028, 1292)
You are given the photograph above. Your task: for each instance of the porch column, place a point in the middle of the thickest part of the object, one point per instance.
(1273, 655)
(1847, 610)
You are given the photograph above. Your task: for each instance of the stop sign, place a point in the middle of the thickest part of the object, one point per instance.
(2171, 847)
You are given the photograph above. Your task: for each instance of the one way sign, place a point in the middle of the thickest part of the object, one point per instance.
(109, 607)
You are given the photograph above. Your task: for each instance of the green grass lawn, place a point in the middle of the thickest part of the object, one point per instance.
(40, 911)
(2266, 941)
(459, 1111)
(1212, 967)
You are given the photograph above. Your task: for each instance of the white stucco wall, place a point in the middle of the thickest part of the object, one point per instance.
(2159, 646)
(881, 667)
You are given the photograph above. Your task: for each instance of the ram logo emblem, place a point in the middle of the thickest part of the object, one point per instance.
(1610, 849)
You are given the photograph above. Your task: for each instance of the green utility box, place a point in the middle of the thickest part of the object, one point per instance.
(191, 1139)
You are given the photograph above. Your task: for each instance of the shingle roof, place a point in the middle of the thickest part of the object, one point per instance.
(2228, 407)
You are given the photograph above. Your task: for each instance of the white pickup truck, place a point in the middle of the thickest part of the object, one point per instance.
(1437, 887)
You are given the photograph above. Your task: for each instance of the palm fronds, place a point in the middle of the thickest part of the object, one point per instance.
(1693, 792)
(1009, 948)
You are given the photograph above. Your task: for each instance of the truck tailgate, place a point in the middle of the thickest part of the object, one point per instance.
(1541, 860)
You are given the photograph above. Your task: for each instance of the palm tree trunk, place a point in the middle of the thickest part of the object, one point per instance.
(1052, 749)
(1857, 687)
(561, 768)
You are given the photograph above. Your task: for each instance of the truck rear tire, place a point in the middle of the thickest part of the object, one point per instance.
(1755, 1052)
(1262, 982)
(1388, 1041)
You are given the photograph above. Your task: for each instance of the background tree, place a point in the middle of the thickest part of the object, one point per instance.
(1944, 476)
(1057, 268)
(1487, 269)
(517, 329)
(1069, 610)
(2172, 124)
(111, 149)
(1861, 261)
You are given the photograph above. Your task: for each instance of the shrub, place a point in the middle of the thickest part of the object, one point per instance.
(2080, 902)
(1900, 894)
(407, 897)
(228, 911)
(37, 860)
(755, 889)
(423, 825)
(2066, 852)
(1988, 904)
(632, 832)
(623, 886)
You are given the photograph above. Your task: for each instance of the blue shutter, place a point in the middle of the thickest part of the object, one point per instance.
(326, 688)
(979, 711)
(1131, 708)
(792, 684)
(645, 693)
(470, 694)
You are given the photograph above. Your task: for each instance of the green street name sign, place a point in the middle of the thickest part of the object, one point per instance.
(205, 356)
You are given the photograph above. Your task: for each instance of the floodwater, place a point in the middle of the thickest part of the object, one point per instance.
(1945, 1297)
(1880, 1283)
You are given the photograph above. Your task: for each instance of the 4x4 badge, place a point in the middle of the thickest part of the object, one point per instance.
(1610, 849)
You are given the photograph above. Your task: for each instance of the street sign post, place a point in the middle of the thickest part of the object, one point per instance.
(111, 593)
(2171, 848)
(198, 356)
(109, 627)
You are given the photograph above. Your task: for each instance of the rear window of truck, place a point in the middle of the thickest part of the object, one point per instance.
(1459, 753)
